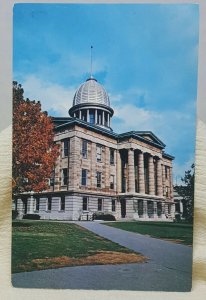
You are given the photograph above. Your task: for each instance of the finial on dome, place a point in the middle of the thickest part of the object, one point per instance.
(91, 63)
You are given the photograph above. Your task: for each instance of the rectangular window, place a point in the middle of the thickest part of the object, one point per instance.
(65, 148)
(111, 182)
(99, 153)
(111, 156)
(64, 176)
(113, 205)
(62, 203)
(91, 117)
(49, 204)
(85, 203)
(99, 179)
(37, 204)
(100, 204)
(84, 177)
(84, 149)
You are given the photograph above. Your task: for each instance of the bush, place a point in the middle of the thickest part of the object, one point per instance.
(106, 217)
(31, 217)
(14, 214)
(177, 218)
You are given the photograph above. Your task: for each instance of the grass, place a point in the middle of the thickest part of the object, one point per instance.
(174, 232)
(38, 245)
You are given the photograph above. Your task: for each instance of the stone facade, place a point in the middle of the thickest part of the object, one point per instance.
(98, 171)
(128, 176)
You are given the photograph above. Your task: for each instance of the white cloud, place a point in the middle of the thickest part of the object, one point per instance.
(52, 96)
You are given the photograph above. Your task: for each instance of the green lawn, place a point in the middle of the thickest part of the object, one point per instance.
(42, 244)
(177, 232)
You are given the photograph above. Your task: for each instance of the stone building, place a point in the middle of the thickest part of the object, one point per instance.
(128, 175)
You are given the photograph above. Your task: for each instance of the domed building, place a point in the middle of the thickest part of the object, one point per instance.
(127, 175)
(91, 104)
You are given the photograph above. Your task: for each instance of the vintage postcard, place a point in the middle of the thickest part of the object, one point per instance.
(104, 120)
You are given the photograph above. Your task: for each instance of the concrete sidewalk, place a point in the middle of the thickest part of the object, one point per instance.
(167, 254)
(168, 269)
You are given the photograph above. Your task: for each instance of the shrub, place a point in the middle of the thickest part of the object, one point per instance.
(177, 218)
(31, 217)
(106, 217)
(14, 214)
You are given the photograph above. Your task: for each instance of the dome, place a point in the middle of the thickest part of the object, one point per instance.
(91, 92)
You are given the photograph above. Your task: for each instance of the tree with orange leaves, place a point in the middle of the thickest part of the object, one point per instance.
(34, 150)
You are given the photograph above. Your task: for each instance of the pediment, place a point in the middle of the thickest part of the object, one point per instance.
(151, 137)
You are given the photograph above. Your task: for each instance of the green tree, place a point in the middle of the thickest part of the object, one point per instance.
(186, 191)
(34, 150)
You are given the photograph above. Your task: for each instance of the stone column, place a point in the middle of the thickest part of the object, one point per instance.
(151, 176)
(108, 120)
(135, 206)
(103, 121)
(20, 208)
(119, 172)
(155, 209)
(163, 211)
(88, 115)
(80, 114)
(163, 180)
(159, 178)
(95, 117)
(74, 115)
(181, 207)
(131, 178)
(30, 204)
(172, 210)
(171, 182)
(145, 212)
(141, 173)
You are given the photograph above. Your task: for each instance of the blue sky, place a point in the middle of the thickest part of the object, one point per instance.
(145, 55)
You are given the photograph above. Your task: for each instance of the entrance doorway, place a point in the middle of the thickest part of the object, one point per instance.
(123, 208)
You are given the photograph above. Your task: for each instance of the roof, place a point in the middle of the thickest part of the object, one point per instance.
(146, 136)
(168, 156)
(91, 92)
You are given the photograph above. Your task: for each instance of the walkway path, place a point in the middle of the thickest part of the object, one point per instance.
(168, 269)
(167, 254)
